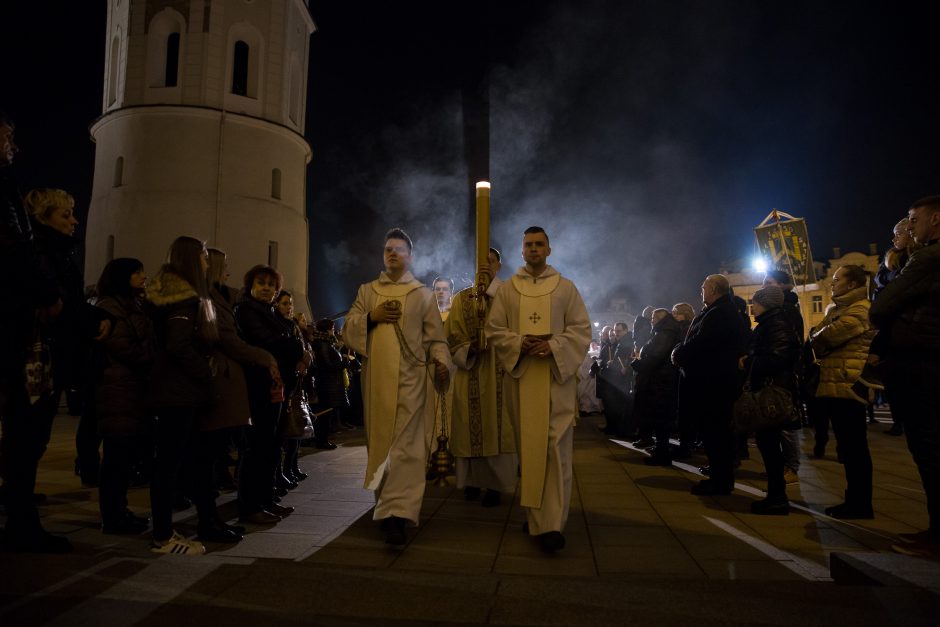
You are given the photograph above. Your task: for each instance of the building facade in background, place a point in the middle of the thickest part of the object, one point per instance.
(201, 134)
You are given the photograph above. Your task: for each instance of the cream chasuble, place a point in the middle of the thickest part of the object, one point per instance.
(535, 318)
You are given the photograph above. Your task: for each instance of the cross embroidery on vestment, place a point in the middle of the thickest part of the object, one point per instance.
(535, 317)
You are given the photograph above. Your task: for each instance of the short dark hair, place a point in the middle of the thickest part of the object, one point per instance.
(6, 119)
(282, 294)
(497, 254)
(855, 274)
(438, 279)
(115, 279)
(536, 229)
(781, 277)
(263, 270)
(399, 233)
(930, 203)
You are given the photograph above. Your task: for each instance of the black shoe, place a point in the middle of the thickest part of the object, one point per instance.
(471, 493)
(279, 510)
(182, 503)
(705, 470)
(284, 482)
(658, 460)
(643, 442)
(848, 511)
(297, 474)
(141, 521)
(216, 533)
(394, 528)
(325, 445)
(771, 507)
(36, 541)
(551, 541)
(492, 498)
(708, 488)
(279, 491)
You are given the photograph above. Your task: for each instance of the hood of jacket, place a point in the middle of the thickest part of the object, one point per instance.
(168, 288)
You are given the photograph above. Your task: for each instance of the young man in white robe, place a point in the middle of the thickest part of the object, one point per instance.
(540, 331)
(396, 326)
(482, 439)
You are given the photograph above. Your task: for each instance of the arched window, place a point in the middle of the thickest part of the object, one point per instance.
(118, 172)
(113, 70)
(272, 253)
(165, 49)
(109, 249)
(294, 97)
(276, 183)
(240, 65)
(172, 59)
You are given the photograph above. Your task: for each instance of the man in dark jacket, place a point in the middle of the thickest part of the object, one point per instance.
(910, 306)
(656, 384)
(710, 380)
(24, 437)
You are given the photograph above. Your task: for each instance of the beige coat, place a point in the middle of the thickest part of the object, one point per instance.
(841, 342)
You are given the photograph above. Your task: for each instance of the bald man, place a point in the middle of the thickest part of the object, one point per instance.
(710, 380)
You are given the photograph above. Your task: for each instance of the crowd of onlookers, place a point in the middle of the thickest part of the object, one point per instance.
(174, 376)
(678, 373)
(178, 375)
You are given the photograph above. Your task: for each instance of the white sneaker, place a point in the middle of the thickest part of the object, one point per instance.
(178, 545)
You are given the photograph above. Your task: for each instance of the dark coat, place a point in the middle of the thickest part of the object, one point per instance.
(774, 352)
(33, 288)
(262, 327)
(642, 331)
(72, 331)
(331, 367)
(656, 377)
(910, 306)
(708, 357)
(228, 358)
(182, 375)
(791, 311)
(128, 354)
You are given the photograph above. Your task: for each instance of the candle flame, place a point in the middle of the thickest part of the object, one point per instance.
(483, 185)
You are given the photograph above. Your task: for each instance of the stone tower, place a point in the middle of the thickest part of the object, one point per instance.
(202, 134)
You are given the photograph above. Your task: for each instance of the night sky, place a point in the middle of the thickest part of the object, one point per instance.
(648, 138)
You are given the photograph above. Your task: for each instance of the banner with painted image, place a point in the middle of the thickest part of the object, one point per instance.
(785, 246)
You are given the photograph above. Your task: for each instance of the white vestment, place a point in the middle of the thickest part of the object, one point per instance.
(395, 389)
(482, 439)
(543, 394)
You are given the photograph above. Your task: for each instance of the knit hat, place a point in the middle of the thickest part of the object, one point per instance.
(769, 297)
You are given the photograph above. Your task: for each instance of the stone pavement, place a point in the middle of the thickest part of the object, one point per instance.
(640, 549)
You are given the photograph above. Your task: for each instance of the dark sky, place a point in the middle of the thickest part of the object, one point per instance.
(648, 138)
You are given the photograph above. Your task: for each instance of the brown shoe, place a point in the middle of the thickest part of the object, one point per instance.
(263, 517)
(279, 510)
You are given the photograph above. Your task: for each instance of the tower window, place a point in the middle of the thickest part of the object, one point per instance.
(240, 69)
(113, 71)
(118, 172)
(276, 183)
(172, 59)
(272, 254)
(109, 249)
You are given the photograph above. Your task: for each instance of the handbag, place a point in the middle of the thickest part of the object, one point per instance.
(296, 423)
(771, 407)
(38, 368)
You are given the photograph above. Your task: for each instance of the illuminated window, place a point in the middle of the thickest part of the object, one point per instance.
(817, 304)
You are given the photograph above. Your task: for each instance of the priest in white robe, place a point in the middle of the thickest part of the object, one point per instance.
(540, 330)
(396, 326)
(482, 439)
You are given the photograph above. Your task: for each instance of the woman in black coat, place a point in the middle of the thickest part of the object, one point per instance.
(331, 382)
(656, 383)
(772, 357)
(124, 420)
(261, 326)
(181, 384)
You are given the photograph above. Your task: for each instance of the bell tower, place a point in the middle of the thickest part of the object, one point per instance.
(201, 134)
